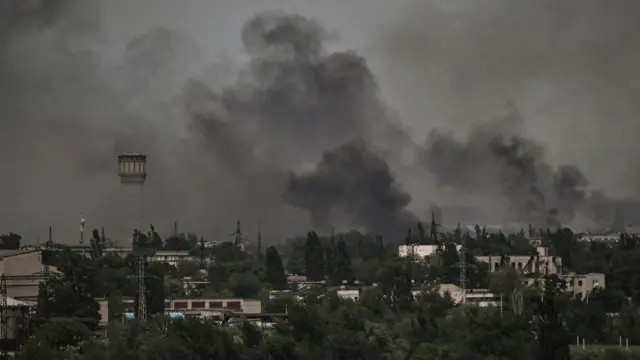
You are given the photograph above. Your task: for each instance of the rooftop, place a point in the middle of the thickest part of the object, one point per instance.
(8, 253)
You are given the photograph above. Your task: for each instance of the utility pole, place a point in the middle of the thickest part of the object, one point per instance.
(4, 316)
(81, 230)
(237, 236)
(142, 293)
(434, 233)
(203, 259)
(463, 266)
(259, 250)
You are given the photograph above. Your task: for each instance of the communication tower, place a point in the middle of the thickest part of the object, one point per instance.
(132, 169)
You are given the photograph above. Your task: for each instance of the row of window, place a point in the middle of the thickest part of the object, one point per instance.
(202, 304)
(183, 305)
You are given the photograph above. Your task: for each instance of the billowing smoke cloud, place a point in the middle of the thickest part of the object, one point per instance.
(358, 186)
(297, 101)
(216, 152)
(570, 66)
(73, 99)
(507, 169)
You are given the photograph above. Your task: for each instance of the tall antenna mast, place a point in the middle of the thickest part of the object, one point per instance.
(203, 259)
(463, 266)
(142, 298)
(237, 235)
(142, 293)
(434, 232)
(259, 250)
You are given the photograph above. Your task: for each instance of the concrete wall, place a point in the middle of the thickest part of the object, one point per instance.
(548, 265)
(24, 272)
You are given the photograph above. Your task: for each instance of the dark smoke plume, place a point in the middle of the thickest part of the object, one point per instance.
(358, 184)
(297, 99)
(508, 168)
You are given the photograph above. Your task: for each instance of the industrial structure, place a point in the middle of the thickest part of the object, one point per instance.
(132, 169)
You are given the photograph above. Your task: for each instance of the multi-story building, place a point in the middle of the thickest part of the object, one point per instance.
(23, 270)
(541, 262)
(578, 284)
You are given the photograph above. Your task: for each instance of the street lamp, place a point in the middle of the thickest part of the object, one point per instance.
(132, 169)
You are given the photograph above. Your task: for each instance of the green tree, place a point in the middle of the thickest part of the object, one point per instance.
(245, 285)
(97, 244)
(72, 293)
(274, 269)
(10, 241)
(552, 335)
(341, 264)
(155, 239)
(314, 258)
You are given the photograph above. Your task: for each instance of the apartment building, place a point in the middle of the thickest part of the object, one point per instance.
(579, 284)
(541, 262)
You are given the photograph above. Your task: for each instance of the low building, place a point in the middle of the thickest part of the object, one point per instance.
(541, 262)
(578, 284)
(477, 297)
(419, 251)
(194, 307)
(17, 324)
(171, 257)
(583, 284)
(606, 238)
(23, 270)
(348, 293)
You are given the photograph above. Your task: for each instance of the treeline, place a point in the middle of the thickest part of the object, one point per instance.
(402, 317)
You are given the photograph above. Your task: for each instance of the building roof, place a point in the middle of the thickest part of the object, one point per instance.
(8, 253)
(11, 302)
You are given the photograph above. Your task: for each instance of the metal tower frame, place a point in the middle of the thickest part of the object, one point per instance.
(463, 266)
(142, 293)
(4, 315)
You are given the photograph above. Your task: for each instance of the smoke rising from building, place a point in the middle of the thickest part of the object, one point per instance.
(508, 168)
(357, 184)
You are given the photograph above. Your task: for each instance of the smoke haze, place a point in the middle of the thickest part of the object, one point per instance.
(227, 100)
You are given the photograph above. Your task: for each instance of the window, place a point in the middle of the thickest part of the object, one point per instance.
(519, 266)
(180, 305)
(215, 305)
(234, 305)
(197, 305)
(580, 283)
(497, 267)
(571, 283)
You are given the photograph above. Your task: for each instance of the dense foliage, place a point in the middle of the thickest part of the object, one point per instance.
(400, 313)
